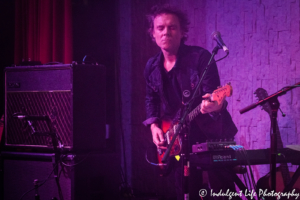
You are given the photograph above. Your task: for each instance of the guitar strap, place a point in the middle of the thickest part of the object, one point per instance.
(186, 87)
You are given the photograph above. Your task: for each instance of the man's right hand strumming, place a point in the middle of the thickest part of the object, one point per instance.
(157, 136)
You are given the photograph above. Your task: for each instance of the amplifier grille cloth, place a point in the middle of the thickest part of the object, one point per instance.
(56, 104)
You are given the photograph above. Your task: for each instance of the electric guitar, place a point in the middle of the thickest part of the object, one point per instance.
(169, 128)
(283, 176)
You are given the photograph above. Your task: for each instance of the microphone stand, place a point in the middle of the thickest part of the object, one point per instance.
(36, 186)
(54, 137)
(55, 159)
(55, 142)
(274, 103)
(187, 109)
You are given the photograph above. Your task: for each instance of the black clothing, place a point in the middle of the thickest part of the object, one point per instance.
(172, 91)
(164, 94)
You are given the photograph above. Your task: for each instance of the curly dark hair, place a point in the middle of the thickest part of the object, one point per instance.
(168, 9)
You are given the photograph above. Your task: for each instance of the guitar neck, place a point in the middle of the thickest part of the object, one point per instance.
(284, 167)
(217, 95)
(194, 113)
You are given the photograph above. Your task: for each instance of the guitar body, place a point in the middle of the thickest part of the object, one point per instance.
(170, 128)
(264, 183)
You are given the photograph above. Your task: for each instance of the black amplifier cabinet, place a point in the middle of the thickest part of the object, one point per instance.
(72, 96)
(91, 176)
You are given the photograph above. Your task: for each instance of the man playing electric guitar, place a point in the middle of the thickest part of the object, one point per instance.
(171, 77)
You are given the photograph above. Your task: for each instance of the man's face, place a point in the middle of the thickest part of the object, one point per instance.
(167, 32)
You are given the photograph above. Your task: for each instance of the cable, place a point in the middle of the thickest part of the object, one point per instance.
(155, 164)
(72, 165)
(92, 60)
(54, 168)
(61, 197)
(222, 58)
(211, 64)
(27, 193)
(250, 169)
(218, 60)
(248, 179)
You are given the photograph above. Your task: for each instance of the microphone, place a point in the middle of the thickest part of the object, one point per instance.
(216, 35)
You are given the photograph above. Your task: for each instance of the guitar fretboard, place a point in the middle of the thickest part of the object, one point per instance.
(194, 113)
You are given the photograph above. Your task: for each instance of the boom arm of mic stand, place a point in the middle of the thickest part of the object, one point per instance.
(272, 99)
(188, 107)
(278, 93)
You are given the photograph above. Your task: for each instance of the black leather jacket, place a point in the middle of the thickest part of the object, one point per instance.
(191, 60)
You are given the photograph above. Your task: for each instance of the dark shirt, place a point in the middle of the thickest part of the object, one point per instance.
(172, 91)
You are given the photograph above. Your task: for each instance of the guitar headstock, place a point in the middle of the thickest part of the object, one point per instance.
(222, 92)
(261, 94)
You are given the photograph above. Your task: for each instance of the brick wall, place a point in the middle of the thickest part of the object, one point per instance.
(263, 39)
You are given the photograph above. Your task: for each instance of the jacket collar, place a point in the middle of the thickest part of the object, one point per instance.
(160, 56)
